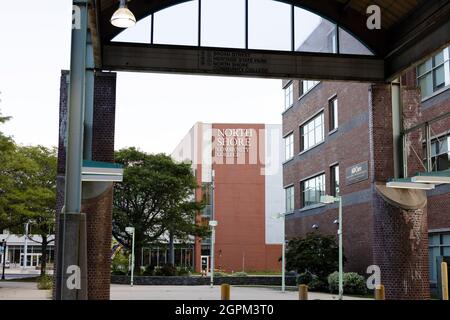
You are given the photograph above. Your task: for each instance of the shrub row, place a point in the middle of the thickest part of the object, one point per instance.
(353, 283)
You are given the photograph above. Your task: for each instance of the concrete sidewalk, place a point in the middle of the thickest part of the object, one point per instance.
(28, 291)
(10, 290)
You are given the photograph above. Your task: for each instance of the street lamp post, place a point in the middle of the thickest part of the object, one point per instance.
(213, 225)
(4, 258)
(25, 249)
(341, 258)
(330, 199)
(132, 231)
(283, 251)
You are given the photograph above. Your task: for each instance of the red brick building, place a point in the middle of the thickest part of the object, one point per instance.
(238, 170)
(338, 140)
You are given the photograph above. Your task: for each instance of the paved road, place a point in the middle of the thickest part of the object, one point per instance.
(125, 292)
(28, 291)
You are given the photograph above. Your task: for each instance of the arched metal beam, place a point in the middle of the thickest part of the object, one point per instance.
(346, 17)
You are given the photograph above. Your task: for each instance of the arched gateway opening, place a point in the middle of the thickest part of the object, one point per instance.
(328, 51)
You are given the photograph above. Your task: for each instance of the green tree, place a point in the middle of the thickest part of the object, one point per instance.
(180, 221)
(8, 178)
(316, 254)
(34, 199)
(155, 198)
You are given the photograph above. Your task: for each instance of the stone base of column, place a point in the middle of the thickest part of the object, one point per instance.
(70, 281)
(401, 242)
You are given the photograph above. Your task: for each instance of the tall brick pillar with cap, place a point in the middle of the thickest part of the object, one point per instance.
(400, 215)
(96, 196)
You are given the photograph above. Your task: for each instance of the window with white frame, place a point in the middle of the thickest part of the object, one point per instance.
(434, 74)
(289, 147)
(440, 153)
(290, 203)
(311, 190)
(288, 96)
(312, 132)
(307, 85)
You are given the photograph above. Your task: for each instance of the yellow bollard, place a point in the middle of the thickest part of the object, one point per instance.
(303, 292)
(379, 292)
(444, 277)
(225, 291)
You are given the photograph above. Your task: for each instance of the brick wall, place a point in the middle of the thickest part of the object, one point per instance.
(401, 250)
(347, 146)
(365, 133)
(98, 210)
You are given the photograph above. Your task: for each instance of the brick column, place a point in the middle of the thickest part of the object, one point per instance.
(98, 209)
(401, 248)
(96, 204)
(400, 219)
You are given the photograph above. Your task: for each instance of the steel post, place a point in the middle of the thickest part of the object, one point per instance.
(341, 263)
(283, 257)
(71, 281)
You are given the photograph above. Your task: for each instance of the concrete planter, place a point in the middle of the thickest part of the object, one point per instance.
(201, 281)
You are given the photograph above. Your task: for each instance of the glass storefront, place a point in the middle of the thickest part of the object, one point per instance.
(438, 245)
(34, 253)
(159, 256)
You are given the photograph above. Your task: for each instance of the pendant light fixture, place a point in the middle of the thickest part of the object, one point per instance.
(123, 17)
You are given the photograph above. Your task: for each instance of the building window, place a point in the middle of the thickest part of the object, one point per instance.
(440, 153)
(307, 85)
(434, 74)
(333, 112)
(288, 96)
(290, 199)
(312, 133)
(334, 180)
(289, 147)
(311, 190)
(207, 198)
(438, 245)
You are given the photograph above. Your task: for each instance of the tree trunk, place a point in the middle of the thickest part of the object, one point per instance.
(137, 258)
(44, 254)
(171, 249)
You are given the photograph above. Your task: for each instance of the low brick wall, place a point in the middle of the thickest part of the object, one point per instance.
(201, 281)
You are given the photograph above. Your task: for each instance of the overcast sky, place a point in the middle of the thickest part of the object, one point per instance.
(154, 111)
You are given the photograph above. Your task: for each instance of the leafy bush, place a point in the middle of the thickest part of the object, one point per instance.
(182, 271)
(317, 284)
(317, 254)
(119, 264)
(220, 274)
(45, 282)
(240, 274)
(313, 282)
(149, 270)
(353, 283)
(118, 273)
(167, 270)
(304, 278)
